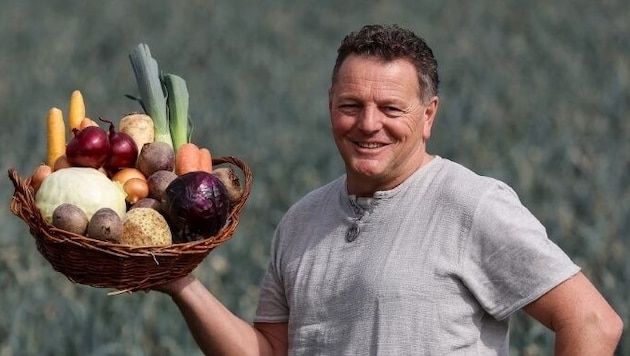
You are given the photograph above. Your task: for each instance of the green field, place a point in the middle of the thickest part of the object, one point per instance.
(534, 93)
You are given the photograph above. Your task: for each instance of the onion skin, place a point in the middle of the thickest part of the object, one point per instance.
(136, 189)
(123, 175)
(123, 151)
(88, 148)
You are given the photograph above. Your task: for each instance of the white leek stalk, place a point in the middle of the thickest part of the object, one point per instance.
(152, 95)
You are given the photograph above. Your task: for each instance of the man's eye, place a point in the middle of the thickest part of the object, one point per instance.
(349, 108)
(392, 109)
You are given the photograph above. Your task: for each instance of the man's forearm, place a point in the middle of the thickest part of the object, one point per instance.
(596, 335)
(216, 329)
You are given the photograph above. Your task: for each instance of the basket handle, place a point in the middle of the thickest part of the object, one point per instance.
(247, 176)
(23, 200)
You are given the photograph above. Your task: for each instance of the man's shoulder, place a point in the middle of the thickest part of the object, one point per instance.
(320, 196)
(457, 181)
(460, 176)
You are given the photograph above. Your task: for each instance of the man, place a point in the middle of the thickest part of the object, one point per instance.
(407, 253)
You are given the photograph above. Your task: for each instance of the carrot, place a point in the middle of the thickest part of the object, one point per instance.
(86, 122)
(76, 111)
(205, 160)
(56, 136)
(187, 158)
(39, 174)
(60, 163)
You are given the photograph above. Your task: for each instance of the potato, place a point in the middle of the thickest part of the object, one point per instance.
(105, 225)
(71, 218)
(145, 227)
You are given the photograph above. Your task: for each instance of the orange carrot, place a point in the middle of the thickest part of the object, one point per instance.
(39, 174)
(87, 122)
(187, 158)
(205, 160)
(56, 137)
(60, 163)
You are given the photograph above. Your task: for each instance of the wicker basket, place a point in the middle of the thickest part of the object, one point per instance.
(108, 265)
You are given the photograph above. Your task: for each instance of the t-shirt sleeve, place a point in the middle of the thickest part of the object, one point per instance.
(509, 261)
(272, 303)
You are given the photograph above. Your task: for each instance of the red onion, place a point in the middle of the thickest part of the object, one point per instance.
(123, 151)
(88, 148)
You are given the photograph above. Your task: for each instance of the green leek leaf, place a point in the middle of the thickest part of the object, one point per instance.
(153, 99)
(177, 103)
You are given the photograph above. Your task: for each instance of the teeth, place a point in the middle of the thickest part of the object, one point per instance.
(369, 144)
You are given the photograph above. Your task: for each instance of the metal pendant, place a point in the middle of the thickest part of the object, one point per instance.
(352, 233)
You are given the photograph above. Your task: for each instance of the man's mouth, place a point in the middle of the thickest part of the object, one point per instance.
(369, 144)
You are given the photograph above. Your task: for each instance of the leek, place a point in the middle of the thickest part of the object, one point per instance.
(152, 96)
(177, 101)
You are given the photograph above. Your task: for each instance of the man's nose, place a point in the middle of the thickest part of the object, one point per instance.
(370, 119)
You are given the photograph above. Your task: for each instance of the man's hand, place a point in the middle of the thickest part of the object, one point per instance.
(172, 288)
(218, 331)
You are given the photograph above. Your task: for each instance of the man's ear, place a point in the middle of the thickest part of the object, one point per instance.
(430, 112)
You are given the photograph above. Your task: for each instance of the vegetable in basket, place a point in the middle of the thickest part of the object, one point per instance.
(145, 227)
(76, 110)
(196, 205)
(89, 147)
(71, 218)
(164, 98)
(105, 225)
(123, 151)
(85, 187)
(139, 127)
(56, 135)
(152, 96)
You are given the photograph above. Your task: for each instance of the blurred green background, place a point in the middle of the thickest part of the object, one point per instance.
(534, 93)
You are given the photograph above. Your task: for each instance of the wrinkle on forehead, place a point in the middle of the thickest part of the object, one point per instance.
(365, 79)
(382, 78)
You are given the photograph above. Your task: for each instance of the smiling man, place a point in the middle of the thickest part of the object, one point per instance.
(380, 121)
(408, 253)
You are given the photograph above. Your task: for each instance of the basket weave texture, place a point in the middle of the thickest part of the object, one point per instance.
(124, 268)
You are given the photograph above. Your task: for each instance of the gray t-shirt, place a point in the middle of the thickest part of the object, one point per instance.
(434, 266)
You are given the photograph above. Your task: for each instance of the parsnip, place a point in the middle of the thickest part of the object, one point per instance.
(140, 127)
